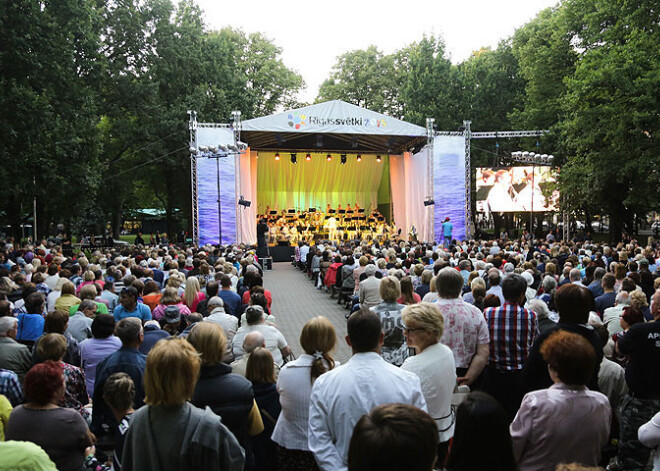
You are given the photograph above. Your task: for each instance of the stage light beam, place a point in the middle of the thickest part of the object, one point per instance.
(359, 158)
(277, 157)
(378, 159)
(328, 157)
(308, 158)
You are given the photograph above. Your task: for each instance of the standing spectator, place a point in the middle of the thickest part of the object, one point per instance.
(513, 330)
(481, 437)
(80, 324)
(228, 323)
(383, 438)
(649, 436)
(109, 295)
(193, 294)
(102, 344)
(10, 387)
(566, 422)
(169, 433)
(119, 394)
(318, 340)
(369, 292)
(151, 294)
(53, 347)
(57, 322)
(465, 331)
(434, 365)
(275, 341)
(395, 349)
(228, 395)
(612, 315)
(62, 432)
(68, 297)
(31, 325)
(231, 300)
(261, 373)
(152, 335)
(13, 355)
(129, 306)
(170, 298)
(573, 303)
(494, 279)
(643, 377)
(608, 297)
(341, 396)
(127, 359)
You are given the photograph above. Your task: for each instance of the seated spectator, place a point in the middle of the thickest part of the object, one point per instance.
(170, 298)
(369, 292)
(5, 411)
(90, 292)
(193, 294)
(649, 436)
(109, 295)
(119, 393)
(62, 433)
(257, 298)
(566, 422)
(408, 295)
(383, 440)
(53, 347)
(228, 395)
(275, 341)
(127, 359)
(261, 373)
(171, 430)
(152, 334)
(611, 376)
(542, 312)
(491, 300)
(102, 344)
(151, 295)
(129, 306)
(481, 424)
(608, 297)
(13, 355)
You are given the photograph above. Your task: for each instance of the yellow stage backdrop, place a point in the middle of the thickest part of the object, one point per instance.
(313, 184)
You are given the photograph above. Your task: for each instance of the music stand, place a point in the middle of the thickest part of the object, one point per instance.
(291, 211)
(311, 210)
(360, 210)
(274, 213)
(342, 211)
(332, 211)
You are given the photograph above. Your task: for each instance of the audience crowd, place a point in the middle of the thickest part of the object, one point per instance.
(529, 354)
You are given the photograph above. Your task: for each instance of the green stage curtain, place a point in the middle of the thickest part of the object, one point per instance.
(314, 184)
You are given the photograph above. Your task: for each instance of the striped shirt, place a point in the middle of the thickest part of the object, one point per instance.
(513, 330)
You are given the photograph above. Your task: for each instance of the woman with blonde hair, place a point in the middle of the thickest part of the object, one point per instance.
(193, 294)
(227, 394)
(68, 297)
(261, 371)
(170, 298)
(394, 349)
(434, 364)
(169, 433)
(294, 384)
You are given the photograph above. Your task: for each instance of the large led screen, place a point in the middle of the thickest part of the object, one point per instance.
(510, 189)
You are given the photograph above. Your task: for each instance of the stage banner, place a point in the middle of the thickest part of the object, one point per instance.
(212, 173)
(449, 184)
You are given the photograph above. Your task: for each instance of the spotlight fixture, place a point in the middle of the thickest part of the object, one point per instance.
(277, 156)
(429, 202)
(308, 158)
(378, 159)
(294, 158)
(343, 158)
(328, 157)
(359, 158)
(244, 202)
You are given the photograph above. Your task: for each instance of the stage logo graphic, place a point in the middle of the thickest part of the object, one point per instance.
(296, 120)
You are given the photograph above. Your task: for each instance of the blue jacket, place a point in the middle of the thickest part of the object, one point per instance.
(30, 327)
(141, 311)
(125, 360)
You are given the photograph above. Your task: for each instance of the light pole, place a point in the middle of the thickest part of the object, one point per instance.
(534, 159)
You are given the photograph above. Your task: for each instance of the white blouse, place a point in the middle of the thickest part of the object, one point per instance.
(295, 387)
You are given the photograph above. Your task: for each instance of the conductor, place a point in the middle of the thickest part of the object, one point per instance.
(262, 243)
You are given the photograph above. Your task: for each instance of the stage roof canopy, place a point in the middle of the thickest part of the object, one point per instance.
(332, 126)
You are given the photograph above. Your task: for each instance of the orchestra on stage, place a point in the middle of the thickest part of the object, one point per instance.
(288, 227)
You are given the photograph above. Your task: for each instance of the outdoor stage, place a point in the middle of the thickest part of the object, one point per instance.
(301, 167)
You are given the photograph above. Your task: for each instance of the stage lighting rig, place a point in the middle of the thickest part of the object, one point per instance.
(277, 156)
(343, 158)
(378, 159)
(308, 158)
(358, 158)
(243, 202)
(429, 202)
(328, 157)
(294, 158)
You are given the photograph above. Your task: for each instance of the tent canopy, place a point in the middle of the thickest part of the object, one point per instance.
(332, 126)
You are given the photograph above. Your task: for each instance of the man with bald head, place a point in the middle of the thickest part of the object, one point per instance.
(250, 343)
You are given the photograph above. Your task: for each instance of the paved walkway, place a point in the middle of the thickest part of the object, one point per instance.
(296, 300)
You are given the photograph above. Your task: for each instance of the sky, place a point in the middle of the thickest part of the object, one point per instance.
(312, 34)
